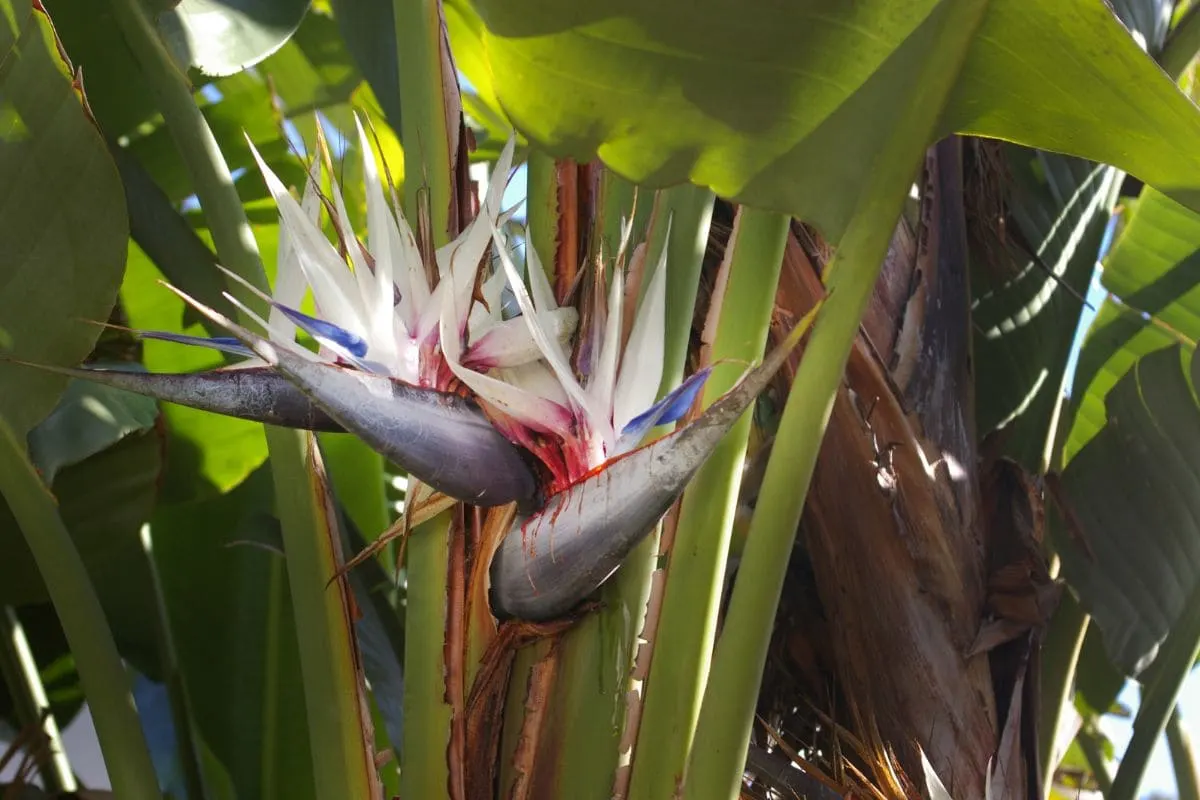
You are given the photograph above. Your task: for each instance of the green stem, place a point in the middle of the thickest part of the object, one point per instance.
(542, 211)
(1172, 667)
(427, 187)
(719, 754)
(1060, 656)
(691, 209)
(1183, 759)
(423, 128)
(20, 673)
(105, 683)
(1089, 743)
(181, 711)
(342, 765)
(193, 138)
(1182, 44)
(687, 625)
(424, 772)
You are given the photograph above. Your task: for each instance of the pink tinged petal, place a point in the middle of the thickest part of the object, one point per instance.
(442, 439)
(334, 291)
(537, 378)
(508, 343)
(529, 409)
(642, 363)
(552, 560)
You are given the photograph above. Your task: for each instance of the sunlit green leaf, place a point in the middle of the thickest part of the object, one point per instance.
(778, 105)
(221, 37)
(1152, 270)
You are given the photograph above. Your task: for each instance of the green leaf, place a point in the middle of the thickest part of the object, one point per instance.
(1152, 269)
(244, 110)
(778, 105)
(1135, 488)
(104, 501)
(314, 69)
(89, 418)
(369, 30)
(116, 91)
(62, 217)
(230, 615)
(1028, 299)
(221, 37)
(1097, 681)
(207, 452)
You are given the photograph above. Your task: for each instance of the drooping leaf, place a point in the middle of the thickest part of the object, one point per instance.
(1028, 297)
(369, 30)
(314, 71)
(116, 89)
(230, 611)
(206, 452)
(221, 37)
(104, 502)
(1135, 488)
(777, 105)
(62, 216)
(1152, 270)
(88, 419)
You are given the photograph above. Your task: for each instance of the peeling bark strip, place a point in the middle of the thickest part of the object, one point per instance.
(892, 523)
(537, 702)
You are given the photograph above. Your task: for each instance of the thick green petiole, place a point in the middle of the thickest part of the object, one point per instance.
(105, 683)
(343, 766)
(696, 569)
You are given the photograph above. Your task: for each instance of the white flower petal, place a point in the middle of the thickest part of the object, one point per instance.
(539, 283)
(642, 364)
(383, 239)
(549, 346)
(290, 284)
(531, 410)
(604, 379)
(333, 287)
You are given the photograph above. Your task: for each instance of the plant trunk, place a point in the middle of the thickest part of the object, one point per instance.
(899, 550)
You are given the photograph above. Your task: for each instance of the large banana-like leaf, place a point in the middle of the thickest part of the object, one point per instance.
(62, 215)
(1027, 300)
(1032, 267)
(231, 616)
(1151, 270)
(778, 105)
(1135, 488)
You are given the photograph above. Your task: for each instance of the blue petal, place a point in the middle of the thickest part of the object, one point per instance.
(670, 409)
(226, 344)
(320, 330)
